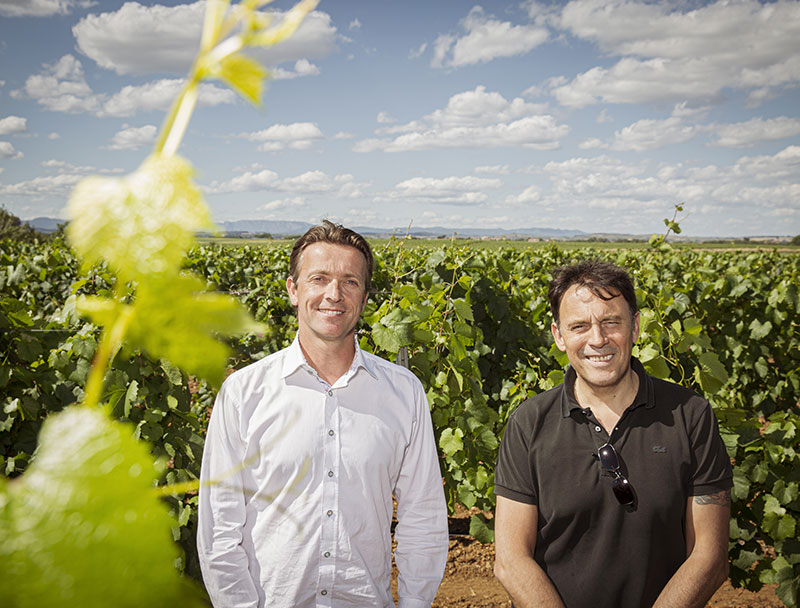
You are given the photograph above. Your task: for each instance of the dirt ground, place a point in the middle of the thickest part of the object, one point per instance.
(469, 581)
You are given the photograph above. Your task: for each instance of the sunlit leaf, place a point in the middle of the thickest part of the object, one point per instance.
(194, 319)
(82, 527)
(450, 441)
(244, 75)
(140, 224)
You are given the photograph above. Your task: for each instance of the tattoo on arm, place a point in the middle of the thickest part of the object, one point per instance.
(721, 498)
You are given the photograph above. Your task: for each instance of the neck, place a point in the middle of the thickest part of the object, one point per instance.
(614, 399)
(330, 360)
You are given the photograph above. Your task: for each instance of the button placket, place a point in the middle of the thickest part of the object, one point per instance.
(330, 498)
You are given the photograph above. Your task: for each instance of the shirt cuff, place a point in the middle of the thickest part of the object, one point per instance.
(410, 602)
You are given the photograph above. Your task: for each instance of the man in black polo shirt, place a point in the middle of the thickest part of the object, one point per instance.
(613, 489)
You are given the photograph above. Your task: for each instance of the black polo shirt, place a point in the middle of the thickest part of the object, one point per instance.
(597, 552)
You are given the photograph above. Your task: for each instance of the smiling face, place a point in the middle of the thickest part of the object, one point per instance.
(598, 336)
(329, 294)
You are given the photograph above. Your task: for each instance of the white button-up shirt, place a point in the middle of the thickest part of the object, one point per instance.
(297, 482)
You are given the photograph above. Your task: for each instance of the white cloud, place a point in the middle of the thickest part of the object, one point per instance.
(40, 8)
(385, 118)
(295, 202)
(627, 197)
(302, 67)
(53, 135)
(649, 134)
(13, 124)
(474, 119)
(246, 182)
(50, 185)
(319, 182)
(61, 87)
(8, 152)
(603, 117)
(751, 132)
(485, 39)
(355, 24)
(139, 39)
(158, 96)
(417, 52)
(449, 190)
(670, 54)
(493, 169)
(298, 136)
(63, 167)
(592, 143)
(308, 183)
(134, 138)
(531, 194)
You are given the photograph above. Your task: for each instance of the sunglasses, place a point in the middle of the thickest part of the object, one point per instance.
(623, 491)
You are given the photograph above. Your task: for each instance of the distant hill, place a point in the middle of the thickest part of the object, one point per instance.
(275, 228)
(279, 229)
(44, 224)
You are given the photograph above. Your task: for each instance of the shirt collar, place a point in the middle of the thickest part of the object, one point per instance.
(644, 396)
(295, 359)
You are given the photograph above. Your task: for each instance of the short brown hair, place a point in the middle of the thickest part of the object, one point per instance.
(328, 232)
(604, 279)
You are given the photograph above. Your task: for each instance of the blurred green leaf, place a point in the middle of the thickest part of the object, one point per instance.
(82, 527)
(141, 224)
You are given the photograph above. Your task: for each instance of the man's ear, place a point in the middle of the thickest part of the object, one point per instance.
(635, 333)
(292, 289)
(558, 337)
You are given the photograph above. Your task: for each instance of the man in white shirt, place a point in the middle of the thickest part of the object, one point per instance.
(307, 447)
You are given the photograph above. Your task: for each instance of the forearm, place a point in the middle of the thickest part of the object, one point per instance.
(693, 584)
(527, 583)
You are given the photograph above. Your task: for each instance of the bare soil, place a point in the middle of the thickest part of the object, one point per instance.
(470, 583)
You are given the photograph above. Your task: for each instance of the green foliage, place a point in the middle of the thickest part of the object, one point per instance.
(82, 528)
(475, 323)
(14, 229)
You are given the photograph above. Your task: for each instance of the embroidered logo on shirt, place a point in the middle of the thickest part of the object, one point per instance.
(659, 449)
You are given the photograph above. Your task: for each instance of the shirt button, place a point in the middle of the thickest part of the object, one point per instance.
(323, 592)
(330, 432)
(597, 428)
(327, 554)
(330, 473)
(329, 513)
(330, 393)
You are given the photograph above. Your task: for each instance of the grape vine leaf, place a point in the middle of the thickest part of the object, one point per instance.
(82, 526)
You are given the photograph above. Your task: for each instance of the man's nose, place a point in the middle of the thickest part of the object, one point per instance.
(597, 336)
(334, 291)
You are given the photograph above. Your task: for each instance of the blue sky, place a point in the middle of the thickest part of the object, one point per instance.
(590, 115)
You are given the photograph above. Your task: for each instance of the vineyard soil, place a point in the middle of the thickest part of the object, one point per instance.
(469, 581)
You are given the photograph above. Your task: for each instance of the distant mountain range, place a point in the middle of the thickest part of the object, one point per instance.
(297, 228)
(284, 229)
(277, 229)
(44, 224)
